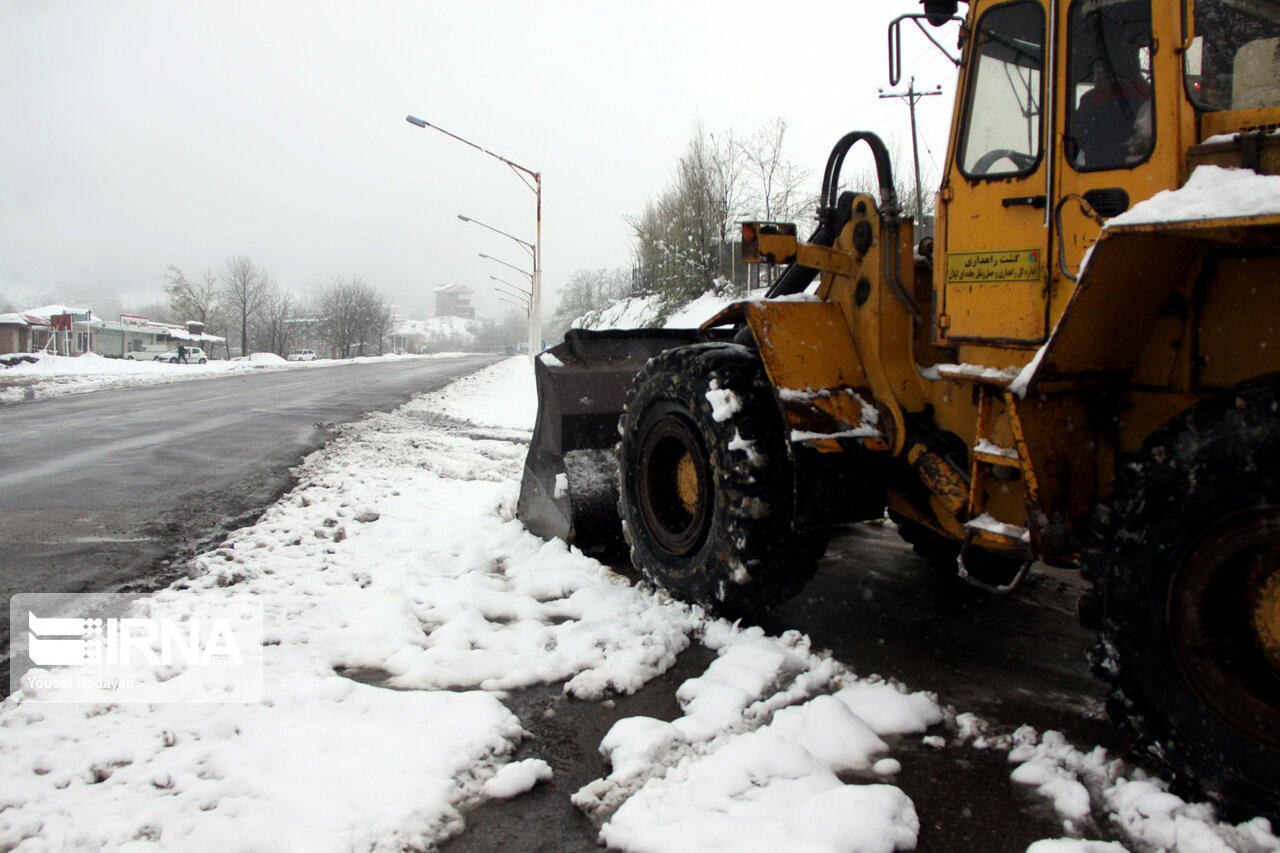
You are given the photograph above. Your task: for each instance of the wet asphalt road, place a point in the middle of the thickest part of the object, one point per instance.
(880, 609)
(106, 491)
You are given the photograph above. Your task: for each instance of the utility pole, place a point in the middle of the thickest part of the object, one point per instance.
(911, 96)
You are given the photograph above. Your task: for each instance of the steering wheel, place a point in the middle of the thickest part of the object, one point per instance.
(1019, 159)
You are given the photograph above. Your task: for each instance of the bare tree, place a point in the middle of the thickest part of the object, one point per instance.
(356, 316)
(375, 318)
(778, 184)
(679, 236)
(274, 332)
(192, 300)
(586, 291)
(245, 289)
(161, 312)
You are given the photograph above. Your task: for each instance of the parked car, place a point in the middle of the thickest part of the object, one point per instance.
(195, 355)
(302, 355)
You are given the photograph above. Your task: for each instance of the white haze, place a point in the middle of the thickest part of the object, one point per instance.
(138, 134)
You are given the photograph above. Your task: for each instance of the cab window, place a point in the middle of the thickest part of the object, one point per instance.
(1234, 60)
(1109, 116)
(1002, 128)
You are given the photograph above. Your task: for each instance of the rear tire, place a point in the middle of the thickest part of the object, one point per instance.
(707, 493)
(1186, 600)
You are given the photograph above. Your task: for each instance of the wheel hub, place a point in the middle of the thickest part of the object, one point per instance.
(687, 485)
(1224, 622)
(673, 485)
(1266, 616)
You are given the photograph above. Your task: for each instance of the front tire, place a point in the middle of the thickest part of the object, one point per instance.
(707, 485)
(1186, 599)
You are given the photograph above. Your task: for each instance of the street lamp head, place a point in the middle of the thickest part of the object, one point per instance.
(483, 255)
(464, 218)
(414, 120)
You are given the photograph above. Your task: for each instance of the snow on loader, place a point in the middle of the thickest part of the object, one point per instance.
(1047, 379)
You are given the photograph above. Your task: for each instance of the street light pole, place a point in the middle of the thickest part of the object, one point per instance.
(509, 266)
(521, 295)
(525, 296)
(525, 244)
(525, 175)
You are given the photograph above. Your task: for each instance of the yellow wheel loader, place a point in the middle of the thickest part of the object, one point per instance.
(1054, 376)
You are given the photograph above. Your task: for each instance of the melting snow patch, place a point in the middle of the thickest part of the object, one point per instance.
(1080, 784)
(753, 762)
(516, 778)
(724, 403)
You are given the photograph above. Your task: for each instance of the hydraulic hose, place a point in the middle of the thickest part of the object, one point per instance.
(798, 277)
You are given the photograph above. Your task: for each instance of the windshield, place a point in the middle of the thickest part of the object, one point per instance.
(1002, 133)
(1234, 60)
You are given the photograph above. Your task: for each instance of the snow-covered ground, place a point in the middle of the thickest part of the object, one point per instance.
(638, 312)
(403, 601)
(56, 375)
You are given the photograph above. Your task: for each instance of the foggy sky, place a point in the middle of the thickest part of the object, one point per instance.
(135, 134)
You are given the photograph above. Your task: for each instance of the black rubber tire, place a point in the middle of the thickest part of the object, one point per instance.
(988, 567)
(1192, 526)
(728, 544)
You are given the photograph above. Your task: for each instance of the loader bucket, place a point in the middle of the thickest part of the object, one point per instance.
(570, 485)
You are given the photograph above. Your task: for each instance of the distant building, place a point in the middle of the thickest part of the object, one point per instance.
(15, 332)
(454, 300)
(132, 333)
(68, 330)
(64, 329)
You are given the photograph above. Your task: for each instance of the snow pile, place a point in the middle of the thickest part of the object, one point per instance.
(753, 762)
(57, 376)
(1210, 193)
(1082, 784)
(698, 311)
(635, 312)
(265, 358)
(440, 333)
(644, 312)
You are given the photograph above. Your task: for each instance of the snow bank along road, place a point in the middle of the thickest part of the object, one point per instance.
(96, 489)
(407, 612)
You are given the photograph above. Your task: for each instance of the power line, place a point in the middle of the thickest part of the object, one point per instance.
(911, 96)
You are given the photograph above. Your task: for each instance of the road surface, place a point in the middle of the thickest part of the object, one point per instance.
(106, 491)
